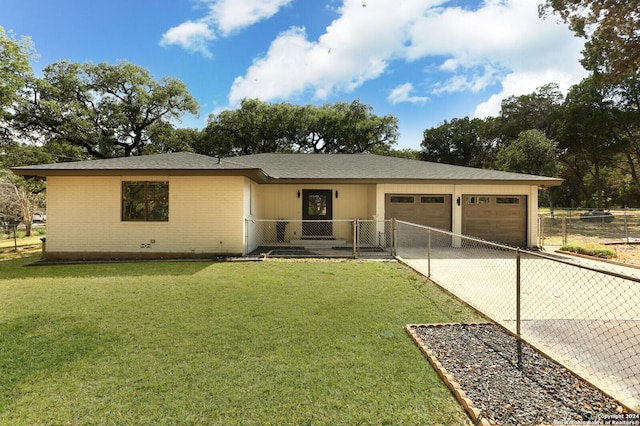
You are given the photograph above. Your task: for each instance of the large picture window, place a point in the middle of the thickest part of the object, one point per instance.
(145, 201)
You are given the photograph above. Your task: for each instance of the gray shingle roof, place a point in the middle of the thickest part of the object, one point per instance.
(366, 166)
(279, 167)
(170, 161)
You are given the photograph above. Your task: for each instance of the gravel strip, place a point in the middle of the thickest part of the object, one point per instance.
(510, 382)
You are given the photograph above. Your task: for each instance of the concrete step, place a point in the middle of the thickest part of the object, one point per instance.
(323, 243)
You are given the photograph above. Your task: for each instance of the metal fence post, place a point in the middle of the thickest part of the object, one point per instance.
(15, 237)
(518, 292)
(355, 238)
(394, 237)
(428, 253)
(564, 230)
(626, 228)
(518, 306)
(245, 249)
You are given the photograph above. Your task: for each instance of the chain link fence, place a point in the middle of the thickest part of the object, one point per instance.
(597, 226)
(326, 238)
(584, 317)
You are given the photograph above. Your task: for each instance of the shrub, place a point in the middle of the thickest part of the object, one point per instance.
(591, 250)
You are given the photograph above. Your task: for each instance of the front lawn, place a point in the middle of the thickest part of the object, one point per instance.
(20, 245)
(237, 343)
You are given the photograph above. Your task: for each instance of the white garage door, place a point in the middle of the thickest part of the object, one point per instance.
(499, 218)
(423, 209)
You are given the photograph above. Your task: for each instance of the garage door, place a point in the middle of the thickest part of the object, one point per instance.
(499, 218)
(424, 209)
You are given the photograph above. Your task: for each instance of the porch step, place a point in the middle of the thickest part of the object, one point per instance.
(321, 243)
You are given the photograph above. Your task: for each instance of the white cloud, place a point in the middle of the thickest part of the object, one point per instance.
(232, 15)
(355, 48)
(224, 17)
(506, 34)
(472, 81)
(192, 36)
(504, 39)
(290, 52)
(402, 93)
(503, 42)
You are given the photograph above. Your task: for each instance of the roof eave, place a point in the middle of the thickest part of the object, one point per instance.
(532, 182)
(254, 174)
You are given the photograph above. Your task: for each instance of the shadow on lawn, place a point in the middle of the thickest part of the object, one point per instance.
(37, 347)
(13, 268)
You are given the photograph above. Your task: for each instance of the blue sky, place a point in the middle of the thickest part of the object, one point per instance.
(424, 61)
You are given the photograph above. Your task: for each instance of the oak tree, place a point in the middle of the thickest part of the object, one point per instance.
(108, 110)
(461, 141)
(257, 127)
(15, 69)
(610, 28)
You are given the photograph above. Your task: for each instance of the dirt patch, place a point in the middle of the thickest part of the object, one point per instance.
(627, 253)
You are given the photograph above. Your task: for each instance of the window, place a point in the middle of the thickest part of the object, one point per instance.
(317, 204)
(478, 200)
(432, 200)
(145, 201)
(402, 199)
(507, 200)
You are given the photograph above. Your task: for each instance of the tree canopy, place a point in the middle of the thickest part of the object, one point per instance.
(15, 68)
(536, 110)
(257, 126)
(532, 153)
(108, 110)
(461, 141)
(14, 65)
(610, 28)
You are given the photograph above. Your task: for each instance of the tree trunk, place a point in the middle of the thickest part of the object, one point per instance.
(598, 183)
(550, 201)
(633, 170)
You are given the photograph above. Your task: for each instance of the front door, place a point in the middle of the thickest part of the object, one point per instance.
(317, 205)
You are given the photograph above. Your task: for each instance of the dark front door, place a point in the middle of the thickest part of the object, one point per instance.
(317, 205)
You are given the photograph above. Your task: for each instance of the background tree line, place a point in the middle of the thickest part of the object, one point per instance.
(590, 137)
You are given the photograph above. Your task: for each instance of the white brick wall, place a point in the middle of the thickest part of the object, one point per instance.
(205, 216)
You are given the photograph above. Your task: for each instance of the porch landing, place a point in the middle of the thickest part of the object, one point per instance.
(318, 243)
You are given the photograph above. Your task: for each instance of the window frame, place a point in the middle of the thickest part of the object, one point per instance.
(149, 203)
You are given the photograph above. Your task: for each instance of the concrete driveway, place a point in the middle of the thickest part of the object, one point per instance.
(585, 319)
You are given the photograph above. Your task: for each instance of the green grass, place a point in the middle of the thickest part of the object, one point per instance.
(8, 243)
(247, 343)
